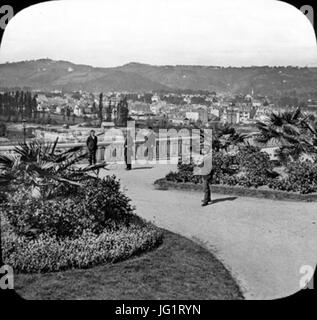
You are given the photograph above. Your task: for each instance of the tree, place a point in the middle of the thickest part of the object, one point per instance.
(28, 105)
(199, 100)
(3, 129)
(147, 98)
(123, 112)
(94, 107)
(109, 112)
(1, 105)
(34, 107)
(100, 108)
(21, 105)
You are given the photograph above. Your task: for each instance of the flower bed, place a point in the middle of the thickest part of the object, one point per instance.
(250, 172)
(93, 224)
(93, 206)
(49, 253)
(163, 184)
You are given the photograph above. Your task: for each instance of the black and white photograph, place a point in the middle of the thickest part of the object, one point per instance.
(158, 150)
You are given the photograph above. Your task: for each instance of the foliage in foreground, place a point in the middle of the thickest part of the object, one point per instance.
(293, 131)
(94, 206)
(181, 269)
(48, 253)
(60, 217)
(37, 165)
(96, 225)
(250, 167)
(301, 177)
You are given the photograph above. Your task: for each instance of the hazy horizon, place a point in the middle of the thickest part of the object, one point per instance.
(155, 65)
(113, 33)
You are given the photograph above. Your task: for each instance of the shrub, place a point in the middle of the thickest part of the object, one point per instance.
(48, 253)
(103, 201)
(227, 179)
(301, 177)
(249, 161)
(94, 206)
(282, 184)
(253, 161)
(3, 129)
(224, 165)
(250, 167)
(30, 216)
(186, 167)
(252, 180)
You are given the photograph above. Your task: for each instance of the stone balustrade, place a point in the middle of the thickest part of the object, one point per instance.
(166, 148)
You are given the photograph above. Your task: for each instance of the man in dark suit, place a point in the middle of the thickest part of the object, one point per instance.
(128, 150)
(92, 145)
(204, 169)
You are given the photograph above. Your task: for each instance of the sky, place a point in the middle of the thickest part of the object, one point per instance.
(108, 33)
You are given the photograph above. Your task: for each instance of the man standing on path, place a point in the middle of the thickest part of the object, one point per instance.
(92, 145)
(128, 150)
(205, 170)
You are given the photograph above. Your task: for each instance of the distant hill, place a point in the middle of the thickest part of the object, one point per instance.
(48, 74)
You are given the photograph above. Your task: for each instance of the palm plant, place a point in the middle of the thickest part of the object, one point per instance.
(292, 131)
(224, 137)
(36, 164)
(40, 165)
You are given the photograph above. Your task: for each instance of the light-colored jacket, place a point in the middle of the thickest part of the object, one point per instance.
(204, 165)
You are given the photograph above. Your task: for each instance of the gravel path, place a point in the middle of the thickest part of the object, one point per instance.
(262, 242)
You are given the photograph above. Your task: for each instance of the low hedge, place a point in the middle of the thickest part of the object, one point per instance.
(236, 190)
(47, 253)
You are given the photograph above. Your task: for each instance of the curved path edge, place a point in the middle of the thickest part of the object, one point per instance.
(262, 242)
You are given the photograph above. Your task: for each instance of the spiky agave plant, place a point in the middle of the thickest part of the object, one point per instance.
(38, 164)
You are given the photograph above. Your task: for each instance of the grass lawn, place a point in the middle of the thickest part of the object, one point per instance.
(178, 269)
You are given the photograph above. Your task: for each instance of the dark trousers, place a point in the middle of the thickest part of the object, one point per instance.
(128, 162)
(92, 157)
(206, 186)
(128, 159)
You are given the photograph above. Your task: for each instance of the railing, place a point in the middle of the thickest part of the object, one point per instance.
(165, 149)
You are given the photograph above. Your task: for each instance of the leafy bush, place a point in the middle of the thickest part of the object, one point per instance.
(74, 221)
(253, 161)
(3, 129)
(103, 201)
(282, 185)
(52, 189)
(301, 177)
(227, 179)
(249, 162)
(93, 207)
(251, 168)
(48, 253)
(224, 165)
